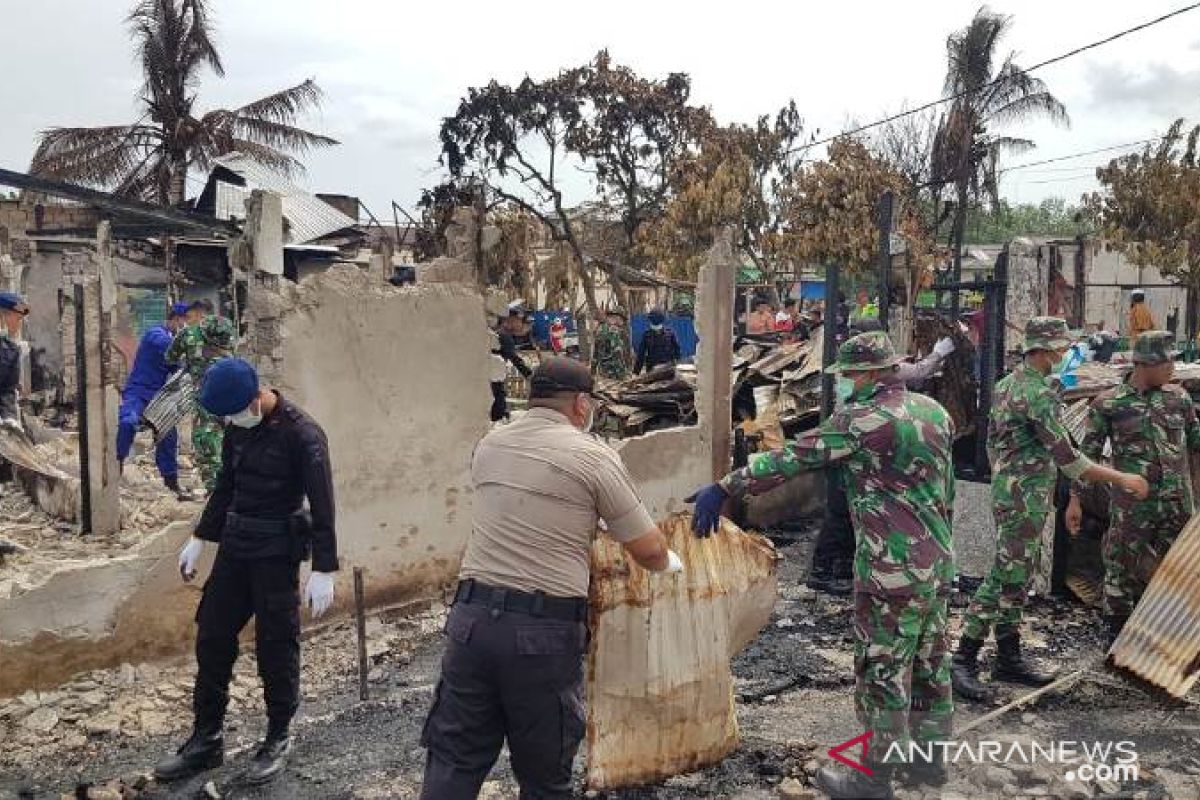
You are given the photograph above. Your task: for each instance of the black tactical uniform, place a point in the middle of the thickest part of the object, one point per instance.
(10, 377)
(658, 347)
(255, 513)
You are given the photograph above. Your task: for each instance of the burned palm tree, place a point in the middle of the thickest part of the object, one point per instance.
(150, 159)
(966, 148)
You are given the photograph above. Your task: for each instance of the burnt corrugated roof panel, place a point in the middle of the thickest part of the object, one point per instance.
(309, 218)
(1161, 641)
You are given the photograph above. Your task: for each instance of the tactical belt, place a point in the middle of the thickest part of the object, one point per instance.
(260, 526)
(535, 604)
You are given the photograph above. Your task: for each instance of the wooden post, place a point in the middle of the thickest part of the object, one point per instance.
(360, 618)
(714, 361)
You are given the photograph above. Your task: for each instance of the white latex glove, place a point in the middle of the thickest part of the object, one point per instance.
(188, 556)
(318, 593)
(944, 347)
(674, 563)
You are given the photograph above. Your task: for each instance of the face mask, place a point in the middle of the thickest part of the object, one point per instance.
(246, 419)
(844, 388)
(656, 327)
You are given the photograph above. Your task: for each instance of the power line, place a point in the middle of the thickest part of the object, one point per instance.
(1039, 65)
(1082, 153)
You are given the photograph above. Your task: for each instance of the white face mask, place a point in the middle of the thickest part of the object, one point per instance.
(590, 419)
(656, 327)
(844, 388)
(247, 418)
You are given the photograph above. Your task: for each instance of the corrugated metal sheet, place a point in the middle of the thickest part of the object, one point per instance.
(309, 218)
(1161, 641)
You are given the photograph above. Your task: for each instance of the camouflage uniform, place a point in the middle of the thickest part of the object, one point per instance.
(1151, 432)
(611, 358)
(893, 450)
(1026, 443)
(195, 348)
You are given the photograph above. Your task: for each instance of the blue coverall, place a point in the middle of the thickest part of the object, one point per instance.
(150, 371)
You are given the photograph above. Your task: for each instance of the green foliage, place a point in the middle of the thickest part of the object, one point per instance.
(1051, 217)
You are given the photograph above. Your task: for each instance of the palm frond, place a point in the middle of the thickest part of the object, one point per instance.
(284, 106)
(1040, 104)
(100, 157)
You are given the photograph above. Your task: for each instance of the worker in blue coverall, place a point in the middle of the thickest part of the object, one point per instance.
(150, 371)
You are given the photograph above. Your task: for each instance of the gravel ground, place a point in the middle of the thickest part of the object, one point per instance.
(794, 702)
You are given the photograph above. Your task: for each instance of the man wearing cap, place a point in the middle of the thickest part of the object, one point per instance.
(1140, 318)
(658, 346)
(893, 449)
(1152, 427)
(13, 310)
(833, 556)
(195, 348)
(517, 632)
(150, 371)
(274, 457)
(611, 358)
(1027, 445)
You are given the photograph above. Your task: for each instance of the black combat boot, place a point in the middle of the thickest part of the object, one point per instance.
(964, 670)
(183, 495)
(834, 576)
(1114, 622)
(841, 783)
(204, 749)
(271, 757)
(923, 772)
(1011, 666)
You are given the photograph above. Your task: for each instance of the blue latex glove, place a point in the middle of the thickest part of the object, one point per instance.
(706, 517)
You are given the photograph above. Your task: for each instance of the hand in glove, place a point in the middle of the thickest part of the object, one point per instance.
(318, 593)
(674, 563)
(13, 424)
(707, 516)
(188, 557)
(944, 347)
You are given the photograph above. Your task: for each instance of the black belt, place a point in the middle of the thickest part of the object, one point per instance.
(535, 604)
(261, 526)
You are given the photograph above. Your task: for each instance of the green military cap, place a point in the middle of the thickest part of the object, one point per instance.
(867, 351)
(617, 312)
(1154, 347)
(1047, 333)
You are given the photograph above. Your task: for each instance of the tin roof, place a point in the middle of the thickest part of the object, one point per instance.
(1161, 641)
(309, 218)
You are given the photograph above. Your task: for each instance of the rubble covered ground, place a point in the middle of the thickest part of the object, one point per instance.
(100, 735)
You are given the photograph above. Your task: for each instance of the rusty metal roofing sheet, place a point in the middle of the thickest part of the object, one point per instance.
(309, 217)
(1161, 641)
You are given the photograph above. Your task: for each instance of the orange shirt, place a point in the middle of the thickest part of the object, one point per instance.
(1140, 320)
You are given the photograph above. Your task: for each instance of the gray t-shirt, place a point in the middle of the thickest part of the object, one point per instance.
(541, 487)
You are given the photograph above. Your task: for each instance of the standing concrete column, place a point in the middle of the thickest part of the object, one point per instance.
(714, 358)
(94, 295)
(260, 251)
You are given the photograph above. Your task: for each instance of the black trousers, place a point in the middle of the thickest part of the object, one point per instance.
(506, 676)
(833, 555)
(499, 401)
(268, 590)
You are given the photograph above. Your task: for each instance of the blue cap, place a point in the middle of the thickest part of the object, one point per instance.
(230, 385)
(656, 317)
(179, 309)
(11, 301)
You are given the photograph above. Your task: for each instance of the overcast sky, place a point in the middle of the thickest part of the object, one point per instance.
(392, 70)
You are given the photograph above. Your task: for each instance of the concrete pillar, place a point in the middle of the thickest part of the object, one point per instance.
(264, 228)
(714, 357)
(259, 251)
(94, 294)
(380, 265)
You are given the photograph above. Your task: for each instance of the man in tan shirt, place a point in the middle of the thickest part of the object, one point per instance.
(517, 633)
(1140, 318)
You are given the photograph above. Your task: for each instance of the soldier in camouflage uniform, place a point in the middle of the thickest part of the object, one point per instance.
(195, 348)
(892, 448)
(1027, 443)
(611, 359)
(1152, 427)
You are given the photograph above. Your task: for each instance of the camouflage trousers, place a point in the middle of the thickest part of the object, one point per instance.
(1134, 547)
(902, 667)
(207, 435)
(1000, 600)
(612, 365)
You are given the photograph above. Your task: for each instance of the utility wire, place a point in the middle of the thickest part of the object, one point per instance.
(1081, 154)
(1039, 65)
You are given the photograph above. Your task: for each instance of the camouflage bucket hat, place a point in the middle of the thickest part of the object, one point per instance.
(1154, 347)
(867, 351)
(1047, 333)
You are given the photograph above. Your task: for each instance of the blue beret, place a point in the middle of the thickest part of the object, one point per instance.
(230, 385)
(179, 309)
(657, 317)
(13, 302)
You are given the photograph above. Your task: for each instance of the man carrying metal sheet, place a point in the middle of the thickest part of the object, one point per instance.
(1152, 426)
